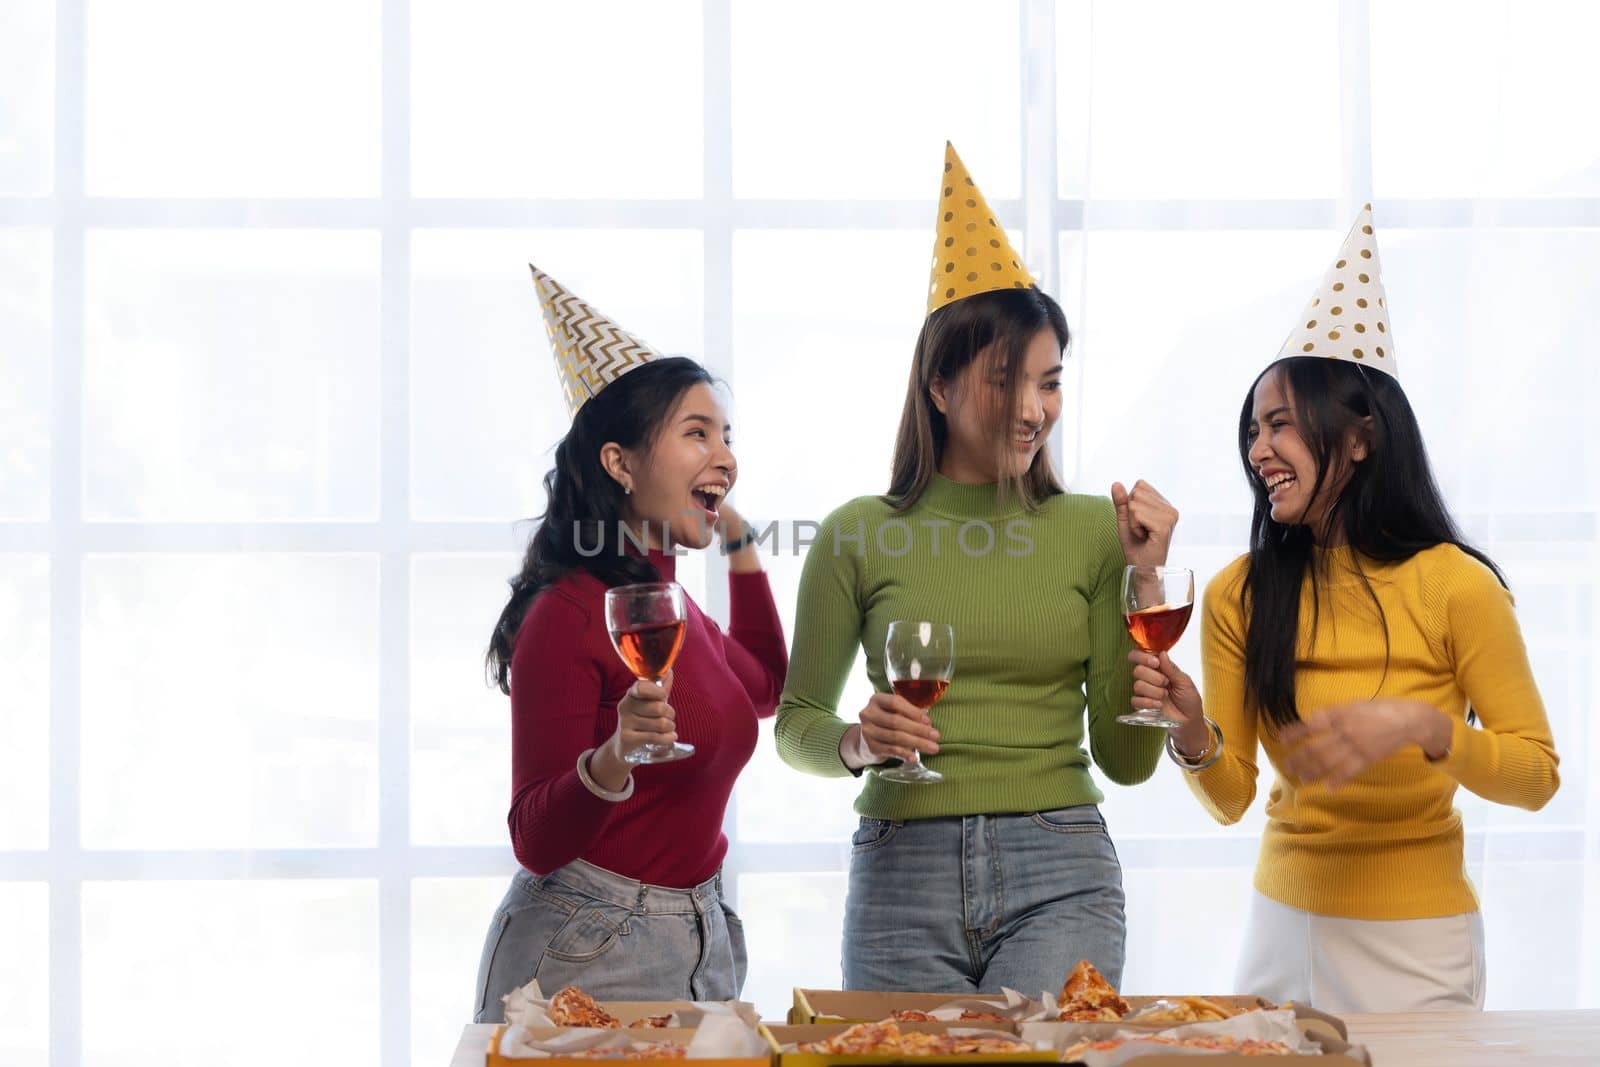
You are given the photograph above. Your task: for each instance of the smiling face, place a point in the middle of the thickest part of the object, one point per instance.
(679, 482)
(985, 441)
(1285, 463)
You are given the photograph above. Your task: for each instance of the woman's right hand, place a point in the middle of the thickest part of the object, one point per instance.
(644, 717)
(895, 728)
(1158, 683)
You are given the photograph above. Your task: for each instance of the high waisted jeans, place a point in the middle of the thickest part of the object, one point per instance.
(614, 937)
(973, 903)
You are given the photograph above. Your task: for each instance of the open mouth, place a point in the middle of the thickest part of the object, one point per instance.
(1276, 482)
(710, 496)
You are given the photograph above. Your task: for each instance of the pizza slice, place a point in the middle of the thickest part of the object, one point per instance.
(985, 1045)
(1238, 1046)
(633, 1052)
(651, 1022)
(573, 1007)
(861, 1039)
(1086, 996)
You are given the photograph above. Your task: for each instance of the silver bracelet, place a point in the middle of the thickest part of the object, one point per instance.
(1190, 765)
(594, 787)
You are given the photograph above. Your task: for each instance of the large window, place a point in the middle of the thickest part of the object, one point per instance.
(275, 396)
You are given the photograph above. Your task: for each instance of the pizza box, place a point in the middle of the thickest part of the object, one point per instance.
(628, 1012)
(849, 1006)
(1308, 1017)
(1335, 1053)
(858, 1006)
(781, 1036)
(674, 1036)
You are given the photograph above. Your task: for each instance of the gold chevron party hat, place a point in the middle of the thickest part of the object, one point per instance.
(590, 350)
(970, 252)
(1348, 316)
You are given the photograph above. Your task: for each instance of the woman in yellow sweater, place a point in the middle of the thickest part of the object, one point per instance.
(1357, 641)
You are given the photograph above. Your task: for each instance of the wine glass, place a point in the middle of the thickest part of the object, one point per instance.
(919, 658)
(1156, 601)
(646, 623)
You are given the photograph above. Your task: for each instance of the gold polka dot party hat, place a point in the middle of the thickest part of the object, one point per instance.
(970, 252)
(1348, 316)
(590, 350)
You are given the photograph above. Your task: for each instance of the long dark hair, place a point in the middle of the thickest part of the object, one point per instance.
(1390, 509)
(951, 338)
(585, 502)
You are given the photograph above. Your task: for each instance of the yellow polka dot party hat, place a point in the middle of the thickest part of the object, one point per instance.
(590, 350)
(970, 253)
(1348, 316)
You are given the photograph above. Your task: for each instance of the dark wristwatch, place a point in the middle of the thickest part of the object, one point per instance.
(749, 535)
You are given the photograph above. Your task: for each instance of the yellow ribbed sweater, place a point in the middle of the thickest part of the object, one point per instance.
(1389, 844)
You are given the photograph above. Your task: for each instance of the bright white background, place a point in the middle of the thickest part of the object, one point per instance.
(274, 393)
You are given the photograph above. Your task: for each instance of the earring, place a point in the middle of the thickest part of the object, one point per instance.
(627, 490)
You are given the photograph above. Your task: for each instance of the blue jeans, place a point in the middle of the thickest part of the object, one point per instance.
(971, 903)
(614, 937)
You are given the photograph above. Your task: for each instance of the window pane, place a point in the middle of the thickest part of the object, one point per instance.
(1167, 361)
(558, 100)
(253, 973)
(801, 375)
(778, 804)
(1487, 324)
(1494, 99)
(855, 101)
(449, 917)
(245, 680)
(480, 356)
(24, 970)
(231, 375)
(1232, 101)
(208, 98)
(1535, 957)
(1168, 950)
(796, 918)
(789, 363)
(25, 710)
(27, 98)
(460, 728)
(25, 310)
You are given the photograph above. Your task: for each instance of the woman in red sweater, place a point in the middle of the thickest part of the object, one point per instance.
(619, 891)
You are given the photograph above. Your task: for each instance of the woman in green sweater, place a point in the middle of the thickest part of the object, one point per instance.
(1002, 874)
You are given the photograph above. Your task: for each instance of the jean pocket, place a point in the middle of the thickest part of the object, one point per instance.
(872, 833)
(516, 941)
(591, 931)
(736, 944)
(1078, 819)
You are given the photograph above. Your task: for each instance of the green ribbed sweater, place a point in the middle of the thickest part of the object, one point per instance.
(1040, 639)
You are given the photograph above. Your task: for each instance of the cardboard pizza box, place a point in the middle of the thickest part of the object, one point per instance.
(675, 1036)
(782, 1036)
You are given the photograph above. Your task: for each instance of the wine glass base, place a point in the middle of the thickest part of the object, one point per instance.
(659, 753)
(1149, 718)
(910, 774)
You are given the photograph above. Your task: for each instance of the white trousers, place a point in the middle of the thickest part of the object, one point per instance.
(1362, 965)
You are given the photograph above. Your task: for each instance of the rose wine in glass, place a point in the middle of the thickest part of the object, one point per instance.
(646, 623)
(1156, 602)
(919, 658)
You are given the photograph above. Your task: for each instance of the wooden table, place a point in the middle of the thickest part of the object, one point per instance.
(1435, 1039)
(1479, 1039)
